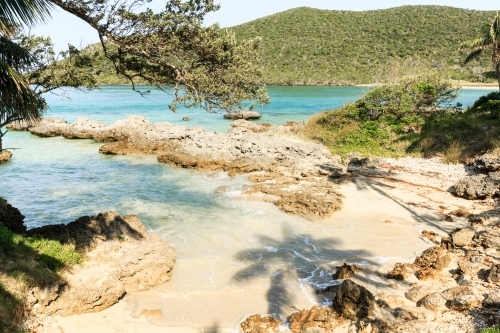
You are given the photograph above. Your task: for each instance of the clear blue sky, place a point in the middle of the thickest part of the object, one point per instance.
(64, 28)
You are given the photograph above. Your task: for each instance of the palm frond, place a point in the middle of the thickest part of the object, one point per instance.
(473, 55)
(17, 100)
(25, 11)
(13, 54)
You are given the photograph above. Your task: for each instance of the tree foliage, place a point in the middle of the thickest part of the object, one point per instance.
(489, 41)
(205, 66)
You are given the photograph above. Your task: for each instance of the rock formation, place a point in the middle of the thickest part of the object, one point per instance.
(5, 156)
(247, 115)
(121, 257)
(11, 217)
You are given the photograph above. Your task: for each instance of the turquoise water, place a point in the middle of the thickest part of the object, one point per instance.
(54, 180)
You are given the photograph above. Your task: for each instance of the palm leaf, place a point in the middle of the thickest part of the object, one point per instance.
(473, 55)
(13, 54)
(24, 11)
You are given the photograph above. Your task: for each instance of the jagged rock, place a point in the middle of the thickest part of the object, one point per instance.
(427, 274)
(417, 293)
(5, 156)
(399, 272)
(389, 301)
(242, 115)
(260, 324)
(492, 300)
(494, 274)
(22, 125)
(432, 302)
(11, 217)
(487, 163)
(345, 272)
(434, 257)
(354, 301)
(446, 243)
(463, 237)
(318, 319)
(430, 235)
(468, 268)
(122, 257)
(477, 186)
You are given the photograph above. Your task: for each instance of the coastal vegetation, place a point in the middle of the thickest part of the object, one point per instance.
(489, 41)
(415, 116)
(26, 263)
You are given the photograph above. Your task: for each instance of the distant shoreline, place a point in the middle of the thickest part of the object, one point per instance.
(461, 84)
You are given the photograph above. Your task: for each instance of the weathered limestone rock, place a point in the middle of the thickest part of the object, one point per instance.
(399, 272)
(465, 302)
(494, 274)
(242, 115)
(122, 257)
(11, 217)
(318, 319)
(487, 163)
(5, 156)
(457, 292)
(48, 127)
(463, 237)
(432, 302)
(408, 313)
(354, 301)
(345, 272)
(250, 126)
(478, 186)
(83, 128)
(461, 212)
(260, 324)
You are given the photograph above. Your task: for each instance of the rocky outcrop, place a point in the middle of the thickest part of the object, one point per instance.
(11, 217)
(478, 186)
(345, 271)
(247, 115)
(121, 257)
(318, 319)
(353, 301)
(5, 156)
(48, 127)
(260, 324)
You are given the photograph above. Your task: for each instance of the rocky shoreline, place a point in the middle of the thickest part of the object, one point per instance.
(453, 286)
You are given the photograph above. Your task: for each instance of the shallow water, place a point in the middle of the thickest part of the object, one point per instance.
(235, 256)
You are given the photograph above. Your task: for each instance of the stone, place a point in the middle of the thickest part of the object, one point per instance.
(461, 212)
(408, 313)
(427, 274)
(476, 220)
(492, 300)
(345, 271)
(432, 302)
(121, 257)
(318, 319)
(464, 280)
(463, 237)
(185, 118)
(260, 324)
(446, 243)
(468, 268)
(354, 301)
(83, 128)
(5, 156)
(456, 292)
(430, 235)
(417, 293)
(242, 115)
(399, 272)
(477, 187)
(466, 302)
(250, 126)
(389, 301)
(11, 217)
(487, 163)
(494, 274)
(49, 127)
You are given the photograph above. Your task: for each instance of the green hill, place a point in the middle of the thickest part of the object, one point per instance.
(312, 46)
(306, 46)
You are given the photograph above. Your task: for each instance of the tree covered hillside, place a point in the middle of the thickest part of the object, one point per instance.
(312, 46)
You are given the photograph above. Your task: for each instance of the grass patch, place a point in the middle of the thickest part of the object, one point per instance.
(495, 329)
(25, 263)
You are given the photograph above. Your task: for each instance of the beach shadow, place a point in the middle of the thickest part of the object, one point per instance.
(297, 261)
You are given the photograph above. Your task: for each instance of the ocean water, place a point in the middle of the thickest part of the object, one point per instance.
(229, 247)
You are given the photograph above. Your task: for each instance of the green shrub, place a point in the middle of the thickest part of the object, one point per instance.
(495, 329)
(487, 103)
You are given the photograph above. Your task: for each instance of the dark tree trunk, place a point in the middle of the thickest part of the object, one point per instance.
(497, 68)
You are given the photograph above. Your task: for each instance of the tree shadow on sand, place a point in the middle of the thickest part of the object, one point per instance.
(299, 261)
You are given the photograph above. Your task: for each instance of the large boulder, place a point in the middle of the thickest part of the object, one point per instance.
(121, 257)
(48, 127)
(432, 302)
(487, 163)
(478, 186)
(242, 115)
(494, 274)
(11, 217)
(353, 301)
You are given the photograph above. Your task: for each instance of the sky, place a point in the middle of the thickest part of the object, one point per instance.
(64, 28)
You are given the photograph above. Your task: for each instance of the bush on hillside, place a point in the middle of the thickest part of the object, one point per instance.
(487, 103)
